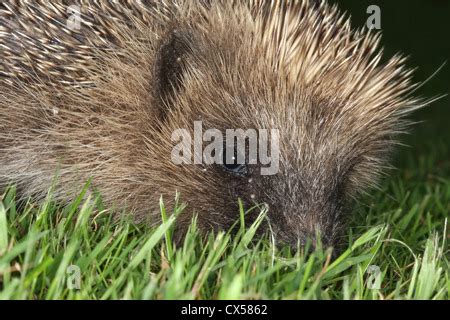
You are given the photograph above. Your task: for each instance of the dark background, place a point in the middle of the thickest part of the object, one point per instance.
(419, 29)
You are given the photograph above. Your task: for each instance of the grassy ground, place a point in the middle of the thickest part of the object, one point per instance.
(399, 230)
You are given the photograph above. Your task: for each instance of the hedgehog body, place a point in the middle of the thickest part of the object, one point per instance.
(102, 101)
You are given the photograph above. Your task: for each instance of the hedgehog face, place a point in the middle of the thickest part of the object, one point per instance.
(305, 196)
(307, 193)
(335, 129)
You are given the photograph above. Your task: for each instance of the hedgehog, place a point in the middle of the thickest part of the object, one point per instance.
(94, 92)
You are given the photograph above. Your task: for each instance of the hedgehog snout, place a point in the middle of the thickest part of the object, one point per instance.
(298, 218)
(303, 234)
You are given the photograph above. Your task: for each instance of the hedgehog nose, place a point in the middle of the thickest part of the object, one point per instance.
(304, 243)
(312, 237)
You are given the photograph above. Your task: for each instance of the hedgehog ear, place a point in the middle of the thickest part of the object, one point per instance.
(171, 63)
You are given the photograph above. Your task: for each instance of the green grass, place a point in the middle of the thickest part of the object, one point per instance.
(400, 229)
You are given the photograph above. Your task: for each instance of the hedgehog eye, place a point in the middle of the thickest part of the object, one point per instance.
(231, 162)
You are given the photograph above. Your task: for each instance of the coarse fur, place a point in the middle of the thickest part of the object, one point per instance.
(102, 102)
